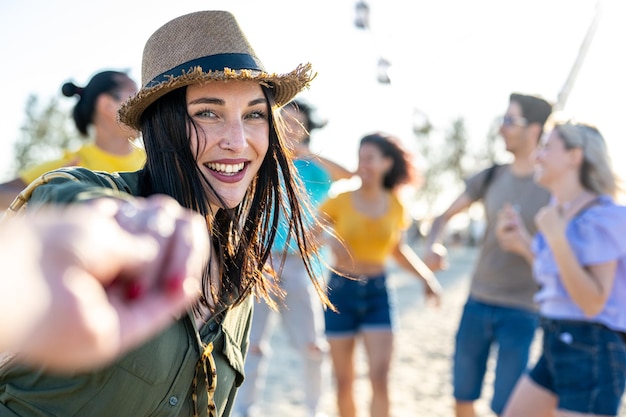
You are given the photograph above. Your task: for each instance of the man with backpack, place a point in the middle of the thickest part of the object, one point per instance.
(500, 310)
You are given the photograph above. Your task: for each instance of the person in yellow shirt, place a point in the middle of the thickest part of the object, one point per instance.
(112, 148)
(368, 224)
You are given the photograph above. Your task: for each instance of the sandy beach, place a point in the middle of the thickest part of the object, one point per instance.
(420, 375)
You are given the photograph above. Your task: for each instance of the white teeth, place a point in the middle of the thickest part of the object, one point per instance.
(226, 168)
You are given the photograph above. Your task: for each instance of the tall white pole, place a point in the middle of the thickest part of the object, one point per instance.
(580, 58)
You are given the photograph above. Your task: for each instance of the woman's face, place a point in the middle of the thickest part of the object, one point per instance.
(554, 161)
(232, 137)
(373, 165)
(126, 88)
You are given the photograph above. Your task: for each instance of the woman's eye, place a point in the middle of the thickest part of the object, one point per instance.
(259, 114)
(205, 113)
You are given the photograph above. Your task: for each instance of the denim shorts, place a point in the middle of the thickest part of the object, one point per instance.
(583, 364)
(482, 326)
(362, 304)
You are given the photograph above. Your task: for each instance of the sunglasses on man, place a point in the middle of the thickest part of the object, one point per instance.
(509, 120)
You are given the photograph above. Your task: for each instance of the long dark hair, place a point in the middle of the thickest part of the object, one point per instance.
(242, 236)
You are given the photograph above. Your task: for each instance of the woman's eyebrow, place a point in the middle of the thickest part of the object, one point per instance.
(260, 100)
(207, 100)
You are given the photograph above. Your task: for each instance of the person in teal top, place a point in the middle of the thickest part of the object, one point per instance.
(209, 116)
(301, 311)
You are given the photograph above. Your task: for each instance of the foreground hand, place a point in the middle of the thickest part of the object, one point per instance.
(86, 284)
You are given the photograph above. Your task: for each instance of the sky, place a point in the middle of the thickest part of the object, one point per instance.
(450, 58)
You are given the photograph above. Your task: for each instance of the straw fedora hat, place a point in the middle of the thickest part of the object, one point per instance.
(204, 46)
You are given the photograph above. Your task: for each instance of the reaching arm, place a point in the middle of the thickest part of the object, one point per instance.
(337, 172)
(589, 287)
(83, 285)
(433, 257)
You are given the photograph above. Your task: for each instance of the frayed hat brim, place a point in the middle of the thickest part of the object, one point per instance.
(284, 86)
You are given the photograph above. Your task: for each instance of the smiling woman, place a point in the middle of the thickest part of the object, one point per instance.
(206, 113)
(229, 136)
(579, 258)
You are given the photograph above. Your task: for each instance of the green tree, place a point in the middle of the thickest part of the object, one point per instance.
(47, 130)
(448, 160)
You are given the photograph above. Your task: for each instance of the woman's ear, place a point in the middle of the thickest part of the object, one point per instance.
(388, 161)
(107, 104)
(577, 156)
(536, 131)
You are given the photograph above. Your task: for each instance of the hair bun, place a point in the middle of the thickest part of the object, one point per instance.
(70, 89)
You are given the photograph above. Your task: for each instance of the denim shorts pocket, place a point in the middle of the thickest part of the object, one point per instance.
(573, 357)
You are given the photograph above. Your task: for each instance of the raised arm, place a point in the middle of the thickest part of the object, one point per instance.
(337, 171)
(432, 257)
(589, 287)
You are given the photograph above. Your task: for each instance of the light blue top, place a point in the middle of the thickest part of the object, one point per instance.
(317, 182)
(597, 235)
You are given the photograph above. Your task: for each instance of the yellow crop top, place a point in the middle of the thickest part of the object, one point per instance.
(91, 157)
(369, 240)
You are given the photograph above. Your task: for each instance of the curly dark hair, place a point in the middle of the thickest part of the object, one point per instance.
(402, 171)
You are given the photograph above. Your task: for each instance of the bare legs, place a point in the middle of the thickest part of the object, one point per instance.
(464, 409)
(530, 399)
(342, 356)
(378, 347)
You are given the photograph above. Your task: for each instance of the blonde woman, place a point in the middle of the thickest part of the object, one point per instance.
(579, 260)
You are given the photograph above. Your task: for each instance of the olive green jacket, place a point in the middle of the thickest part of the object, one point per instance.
(153, 380)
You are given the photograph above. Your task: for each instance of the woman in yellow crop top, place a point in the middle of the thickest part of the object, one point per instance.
(369, 223)
(110, 147)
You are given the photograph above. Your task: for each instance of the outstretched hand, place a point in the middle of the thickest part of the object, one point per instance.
(83, 285)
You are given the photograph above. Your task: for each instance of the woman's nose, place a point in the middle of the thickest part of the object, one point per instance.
(234, 138)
